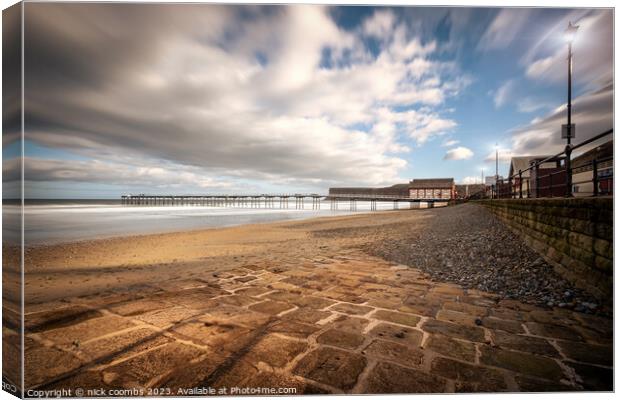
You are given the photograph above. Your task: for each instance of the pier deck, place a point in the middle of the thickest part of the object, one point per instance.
(281, 201)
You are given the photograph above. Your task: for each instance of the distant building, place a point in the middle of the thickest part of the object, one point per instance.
(398, 190)
(583, 171)
(490, 180)
(421, 189)
(525, 186)
(548, 180)
(427, 189)
(471, 191)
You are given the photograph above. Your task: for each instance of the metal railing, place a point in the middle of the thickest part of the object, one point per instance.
(540, 181)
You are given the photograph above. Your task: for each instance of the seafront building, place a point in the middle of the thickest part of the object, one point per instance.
(599, 161)
(428, 189)
(398, 190)
(594, 167)
(527, 182)
(419, 189)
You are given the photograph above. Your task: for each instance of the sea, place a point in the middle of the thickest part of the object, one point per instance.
(58, 221)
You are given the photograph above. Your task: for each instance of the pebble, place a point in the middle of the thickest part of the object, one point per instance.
(468, 245)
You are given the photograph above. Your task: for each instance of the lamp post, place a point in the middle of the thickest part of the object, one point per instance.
(569, 35)
(496, 162)
(496, 169)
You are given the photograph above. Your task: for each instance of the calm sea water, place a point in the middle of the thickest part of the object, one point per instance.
(56, 221)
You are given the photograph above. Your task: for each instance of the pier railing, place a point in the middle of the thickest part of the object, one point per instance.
(561, 179)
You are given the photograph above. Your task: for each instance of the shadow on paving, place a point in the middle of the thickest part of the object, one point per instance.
(345, 324)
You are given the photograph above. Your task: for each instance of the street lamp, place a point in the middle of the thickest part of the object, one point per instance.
(496, 170)
(569, 132)
(569, 36)
(496, 162)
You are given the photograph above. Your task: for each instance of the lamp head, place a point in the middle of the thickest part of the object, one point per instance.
(570, 32)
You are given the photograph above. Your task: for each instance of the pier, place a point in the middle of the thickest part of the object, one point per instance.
(274, 201)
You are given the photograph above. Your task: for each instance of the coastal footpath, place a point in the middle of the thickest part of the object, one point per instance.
(356, 304)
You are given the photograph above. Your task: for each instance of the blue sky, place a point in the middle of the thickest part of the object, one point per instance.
(212, 99)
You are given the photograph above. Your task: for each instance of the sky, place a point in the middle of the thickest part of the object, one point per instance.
(204, 99)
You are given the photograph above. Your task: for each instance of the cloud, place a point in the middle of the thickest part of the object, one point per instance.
(592, 114)
(470, 180)
(530, 104)
(539, 67)
(418, 125)
(449, 143)
(509, 93)
(280, 97)
(503, 156)
(503, 93)
(592, 51)
(505, 28)
(94, 171)
(459, 153)
(381, 24)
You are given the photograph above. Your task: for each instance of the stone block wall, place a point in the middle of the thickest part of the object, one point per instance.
(574, 235)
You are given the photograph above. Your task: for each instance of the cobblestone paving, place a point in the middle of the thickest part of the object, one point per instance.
(345, 324)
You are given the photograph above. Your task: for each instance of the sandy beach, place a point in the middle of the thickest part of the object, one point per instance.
(272, 304)
(424, 239)
(88, 267)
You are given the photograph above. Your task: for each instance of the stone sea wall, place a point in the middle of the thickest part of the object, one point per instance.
(573, 235)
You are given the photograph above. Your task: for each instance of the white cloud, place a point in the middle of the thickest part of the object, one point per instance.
(450, 143)
(471, 180)
(503, 156)
(503, 93)
(505, 28)
(459, 153)
(205, 100)
(529, 104)
(381, 24)
(539, 67)
(592, 51)
(592, 114)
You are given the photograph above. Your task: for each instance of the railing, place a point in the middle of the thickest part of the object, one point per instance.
(538, 181)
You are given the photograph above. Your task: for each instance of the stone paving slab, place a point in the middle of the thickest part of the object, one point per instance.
(343, 324)
(332, 367)
(469, 378)
(399, 334)
(142, 370)
(391, 378)
(450, 347)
